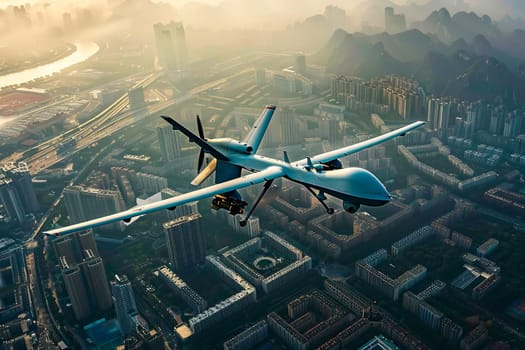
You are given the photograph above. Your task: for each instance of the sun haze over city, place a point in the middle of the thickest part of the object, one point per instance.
(244, 159)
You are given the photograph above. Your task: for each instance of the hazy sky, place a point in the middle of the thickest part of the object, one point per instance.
(277, 14)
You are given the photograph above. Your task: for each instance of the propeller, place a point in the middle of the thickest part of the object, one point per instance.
(210, 167)
(201, 135)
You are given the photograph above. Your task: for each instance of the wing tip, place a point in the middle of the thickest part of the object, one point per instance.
(51, 233)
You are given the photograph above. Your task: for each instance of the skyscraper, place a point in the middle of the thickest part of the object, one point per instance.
(83, 273)
(85, 203)
(169, 143)
(17, 194)
(300, 63)
(394, 23)
(185, 241)
(124, 300)
(13, 208)
(97, 283)
(24, 185)
(171, 45)
(512, 124)
(288, 132)
(76, 247)
(78, 294)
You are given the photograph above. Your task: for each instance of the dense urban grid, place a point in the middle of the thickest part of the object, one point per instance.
(440, 266)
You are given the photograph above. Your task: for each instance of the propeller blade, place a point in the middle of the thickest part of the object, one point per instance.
(201, 160)
(205, 173)
(199, 127)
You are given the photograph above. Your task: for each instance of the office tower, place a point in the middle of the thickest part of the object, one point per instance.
(497, 120)
(124, 300)
(333, 133)
(65, 248)
(13, 208)
(185, 241)
(288, 130)
(78, 294)
(394, 23)
(444, 115)
(181, 210)
(300, 63)
(512, 124)
(97, 282)
(16, 192)
(86, 240)
(475, 115)
(83, 273)
(85, 203)
(169, 143)
(24, 185)
(87, 286)
(171, 45)
(272, 137)
(433, 112)
(76, 247)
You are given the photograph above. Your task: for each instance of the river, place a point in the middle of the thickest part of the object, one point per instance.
(84, 50)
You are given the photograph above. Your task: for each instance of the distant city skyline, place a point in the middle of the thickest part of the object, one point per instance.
(86, 142)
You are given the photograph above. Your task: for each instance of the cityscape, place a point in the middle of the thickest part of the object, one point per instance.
(83, 87)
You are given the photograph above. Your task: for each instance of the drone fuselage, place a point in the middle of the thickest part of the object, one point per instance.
(356, 185)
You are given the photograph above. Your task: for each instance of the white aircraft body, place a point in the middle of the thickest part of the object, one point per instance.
(323, 173)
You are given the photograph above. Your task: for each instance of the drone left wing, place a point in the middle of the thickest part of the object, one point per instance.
(345, 151)
(241, 182)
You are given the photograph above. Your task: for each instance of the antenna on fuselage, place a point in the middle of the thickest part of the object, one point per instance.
(285, 156)
(309, 165)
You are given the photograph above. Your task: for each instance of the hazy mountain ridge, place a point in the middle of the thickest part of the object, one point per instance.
(469, 70)
(462, 24)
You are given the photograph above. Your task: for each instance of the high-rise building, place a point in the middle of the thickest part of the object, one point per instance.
(497, 119)
(171, 45)
(300, 63)
(85, 203)
(288, 130)
(16, 192)
(394, 23)
(97, 282)
(65, 247)
(169, 143)
(83, 273)
(78, 294)
(512, 124)
(76, 247)
(185, 241)
(11, 202)
(124, 300)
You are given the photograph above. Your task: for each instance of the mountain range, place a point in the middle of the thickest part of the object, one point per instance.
(470, 70)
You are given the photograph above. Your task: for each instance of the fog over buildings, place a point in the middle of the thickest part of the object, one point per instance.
(444, 256)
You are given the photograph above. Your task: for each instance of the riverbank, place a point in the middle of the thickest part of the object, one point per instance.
(12, 62)
(84, 50)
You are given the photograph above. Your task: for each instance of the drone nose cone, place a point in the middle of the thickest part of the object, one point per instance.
(368, 186)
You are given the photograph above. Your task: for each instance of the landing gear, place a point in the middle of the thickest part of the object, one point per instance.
(267, 185)
(321, 198)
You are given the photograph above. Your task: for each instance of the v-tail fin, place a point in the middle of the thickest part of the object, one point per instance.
(256, 134)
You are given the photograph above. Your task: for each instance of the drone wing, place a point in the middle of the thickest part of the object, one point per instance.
(241, 182)
(345, 151)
